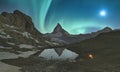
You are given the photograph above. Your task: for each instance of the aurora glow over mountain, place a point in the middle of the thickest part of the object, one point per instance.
(75, 16)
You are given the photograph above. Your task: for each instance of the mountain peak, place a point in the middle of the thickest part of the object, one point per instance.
(58, 25)
(58, 28)
(17, 11)
(107, 29)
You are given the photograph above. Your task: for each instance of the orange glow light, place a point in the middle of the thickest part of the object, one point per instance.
(90, 56)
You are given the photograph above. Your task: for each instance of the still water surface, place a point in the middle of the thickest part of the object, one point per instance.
(50, 53)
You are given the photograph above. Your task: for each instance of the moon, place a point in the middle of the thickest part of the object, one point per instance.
(102, 13)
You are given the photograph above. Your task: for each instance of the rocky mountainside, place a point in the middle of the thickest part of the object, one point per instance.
(61, 36)
(104, 44)
(17, 32)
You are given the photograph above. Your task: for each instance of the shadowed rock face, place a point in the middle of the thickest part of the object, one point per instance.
(20, 20)
(102, 45)
(18, 28)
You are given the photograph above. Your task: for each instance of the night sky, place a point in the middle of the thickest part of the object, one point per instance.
(75, 16)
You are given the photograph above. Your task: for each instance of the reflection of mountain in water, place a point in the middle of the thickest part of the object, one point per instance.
(50, 53)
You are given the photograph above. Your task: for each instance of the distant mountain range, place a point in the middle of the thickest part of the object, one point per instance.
(61, 36)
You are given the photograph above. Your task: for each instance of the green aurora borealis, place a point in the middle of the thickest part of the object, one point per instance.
(75, 16)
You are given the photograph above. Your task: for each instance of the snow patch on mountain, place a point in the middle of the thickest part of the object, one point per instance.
(2, 31)
(10, 26)
(26, 34)
(17, 31)
(8, 55)
(7, 36)
(26, 46)
(3, 34)
(10, 43)
(26, 54)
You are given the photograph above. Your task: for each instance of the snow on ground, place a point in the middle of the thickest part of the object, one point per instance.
(26, 46)
(2, 47)
(11, 26)
(17, 31)
(8, 55)
(5, 47)
(26, 34)
(2, 36)
(48, 42)
(36, 41)
(39, 46)
(10, 43)
(5, 36)
(26, 54)
(2, 32)
(8, 68)
(8, 36)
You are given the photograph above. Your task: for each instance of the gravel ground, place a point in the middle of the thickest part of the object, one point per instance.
(42, 65)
